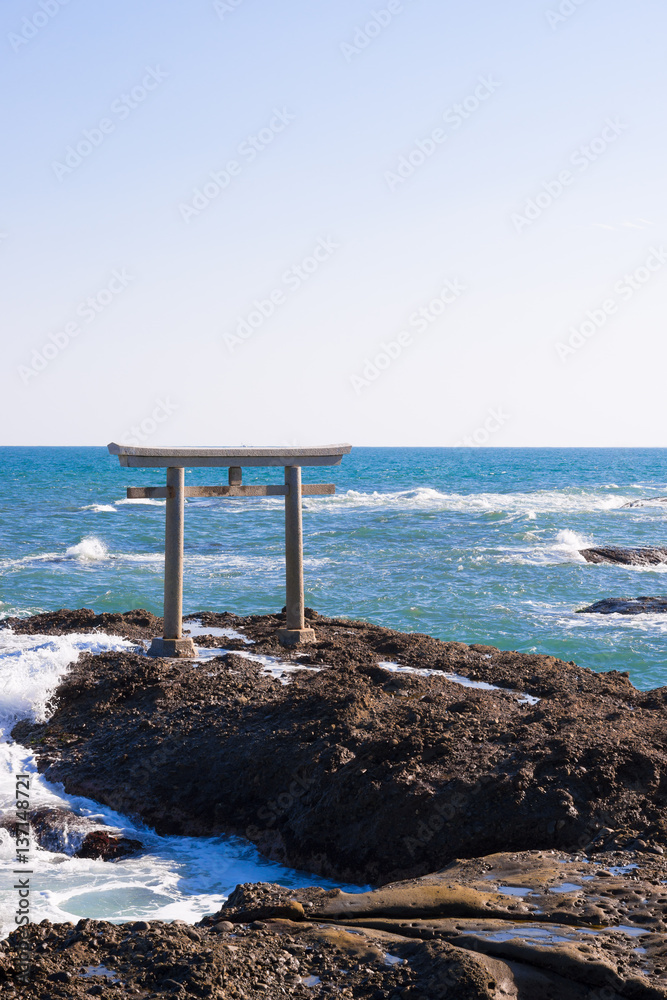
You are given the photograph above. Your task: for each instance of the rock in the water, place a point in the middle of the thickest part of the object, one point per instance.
(106, 847)
(626, 606)
(625, 557)
(63, 832)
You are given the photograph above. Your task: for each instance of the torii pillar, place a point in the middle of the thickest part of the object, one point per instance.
(176, 460)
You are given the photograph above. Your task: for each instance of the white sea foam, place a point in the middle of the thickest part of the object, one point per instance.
(100, 508)
(89, 549)
(564, 548)
(147, 502)
(195, 628)
(425, 498)
(92, 549)
(521, 696)
(32, 665)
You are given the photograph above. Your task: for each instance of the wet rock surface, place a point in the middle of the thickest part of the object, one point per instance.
(625, 557)
(273, 958)
(626, 606)
(530, 926)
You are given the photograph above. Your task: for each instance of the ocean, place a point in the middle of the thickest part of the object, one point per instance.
(476, 545)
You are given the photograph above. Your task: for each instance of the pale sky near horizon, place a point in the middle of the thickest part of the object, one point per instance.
(408, 222)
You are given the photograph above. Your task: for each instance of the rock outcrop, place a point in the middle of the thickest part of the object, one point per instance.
(535, 926)
(355, 769)
(625, 557)
(626, 606)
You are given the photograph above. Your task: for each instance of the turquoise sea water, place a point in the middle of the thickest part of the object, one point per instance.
(478, 545)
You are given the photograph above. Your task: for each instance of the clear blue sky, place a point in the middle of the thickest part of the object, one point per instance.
(419, 234)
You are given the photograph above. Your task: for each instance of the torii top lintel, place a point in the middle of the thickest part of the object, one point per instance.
(189, 458)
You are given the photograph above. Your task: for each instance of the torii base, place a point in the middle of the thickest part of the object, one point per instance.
(295, 636)
(173, 648)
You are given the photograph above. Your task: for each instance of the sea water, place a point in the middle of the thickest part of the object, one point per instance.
(476, 545)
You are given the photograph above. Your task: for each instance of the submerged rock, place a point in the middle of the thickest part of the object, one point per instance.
(627, 606)
(625, 557)
(644, 502)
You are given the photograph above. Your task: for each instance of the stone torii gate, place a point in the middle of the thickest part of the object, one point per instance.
(175, 461)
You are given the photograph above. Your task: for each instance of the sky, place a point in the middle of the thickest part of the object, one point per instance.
(405, 223)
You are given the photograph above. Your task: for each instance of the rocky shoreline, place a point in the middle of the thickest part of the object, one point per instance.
(385, 758)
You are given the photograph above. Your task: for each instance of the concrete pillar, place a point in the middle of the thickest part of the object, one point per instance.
(172, 643)
(295, 630)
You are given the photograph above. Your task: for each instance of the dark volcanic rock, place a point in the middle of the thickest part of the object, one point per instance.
(104, 846)
(625, 557)
(354, 771)
(627, 606)
(569, 930)
(278, 959)
(138, 624)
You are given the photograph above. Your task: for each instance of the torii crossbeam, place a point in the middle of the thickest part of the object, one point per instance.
(175, 461)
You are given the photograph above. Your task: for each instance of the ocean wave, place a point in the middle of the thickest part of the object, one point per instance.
(89, 549)
(426, 498)
(564, 548)
(145, 502)
(32, 665)
(100, 508)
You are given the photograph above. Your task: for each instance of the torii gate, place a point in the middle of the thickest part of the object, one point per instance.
(175, 461)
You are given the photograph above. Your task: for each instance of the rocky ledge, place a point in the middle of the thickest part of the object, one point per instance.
(626, 606)
(384, 757)
(528, 926)
(625, 557)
